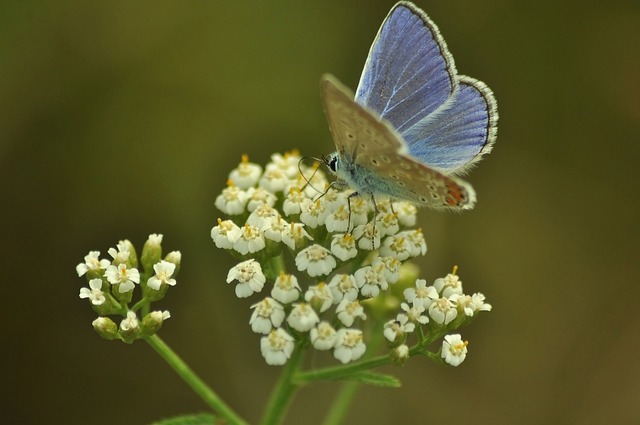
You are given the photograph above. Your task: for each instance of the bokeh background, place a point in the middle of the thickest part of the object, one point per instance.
(120, 119)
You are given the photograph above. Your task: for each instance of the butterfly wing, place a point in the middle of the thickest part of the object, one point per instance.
(377, 158)
(447, 121)
(353, 129)
(459, 133)
(409, 72)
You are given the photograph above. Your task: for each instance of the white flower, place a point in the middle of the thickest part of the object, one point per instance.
(262, 216)
(251, 240)
(390, 267)
(313, 213)
(316, 260)
(246, 174)
(277, 347)
(407, 213)
(388, 223)
(316, 183)
(323, 337)
(288, 163)
(232, 200)
(348, 311)
(286, 289)
(319, 296)
(121, 255)
(225, 234)
(293, 202)
(454, 350)
(92, 262)
(164, 270)
(415, 313)
(259, 196)
(395, 330)
(421, 295)
(349, 345)
(130, 322)
(274, 180)
(370, 280)
(343, 287)
(383, 205)
(470, 304)
(95, 294)
(302, 317)
(443, 311)
(335, 200)
(338, 220)
(368, 236)
(359, 211)
(343, 246)
(396, 246)
(295, 236)
(250, 277)
(416, 241)
(120, 275)
(276, 230)
(267, 314)
(477, 301)
(448, 285)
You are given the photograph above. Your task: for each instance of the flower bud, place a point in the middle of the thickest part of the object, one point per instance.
(105, 327)
(151, 252)
(174, 257)
(400, 354)
(152, 322)
(132, 261)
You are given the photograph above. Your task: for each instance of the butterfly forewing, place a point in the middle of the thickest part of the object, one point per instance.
(409, 72)
(355, 130)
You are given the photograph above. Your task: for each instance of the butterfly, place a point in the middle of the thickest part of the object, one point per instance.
(414, 124)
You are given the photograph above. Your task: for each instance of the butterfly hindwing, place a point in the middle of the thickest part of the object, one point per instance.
(455, 137)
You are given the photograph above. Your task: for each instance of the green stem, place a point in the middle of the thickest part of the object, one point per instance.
(199, 386)
(337, 372)
(284, 390)
(341, 403)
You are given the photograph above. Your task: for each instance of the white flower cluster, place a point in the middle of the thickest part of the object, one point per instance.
(346, 249)
(440, 307)
(111, 285)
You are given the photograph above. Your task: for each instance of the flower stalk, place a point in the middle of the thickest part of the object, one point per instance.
(198, 385)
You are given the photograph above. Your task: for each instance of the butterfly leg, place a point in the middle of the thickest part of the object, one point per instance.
(351, 195)
(375, 217)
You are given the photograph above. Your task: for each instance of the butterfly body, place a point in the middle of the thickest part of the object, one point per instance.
(414, 123)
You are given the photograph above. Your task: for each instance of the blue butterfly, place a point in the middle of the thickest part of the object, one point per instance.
(415, 123)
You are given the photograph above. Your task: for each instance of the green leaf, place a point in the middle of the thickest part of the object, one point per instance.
(373, 378)
(199, 419)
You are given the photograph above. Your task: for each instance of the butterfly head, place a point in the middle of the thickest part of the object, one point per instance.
(331, 161)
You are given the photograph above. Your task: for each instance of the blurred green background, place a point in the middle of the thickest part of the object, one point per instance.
(120, 119)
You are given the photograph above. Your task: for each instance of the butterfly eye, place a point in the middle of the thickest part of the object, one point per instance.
(333, 164)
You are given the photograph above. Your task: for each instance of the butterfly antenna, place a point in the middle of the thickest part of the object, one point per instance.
(315, 170)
